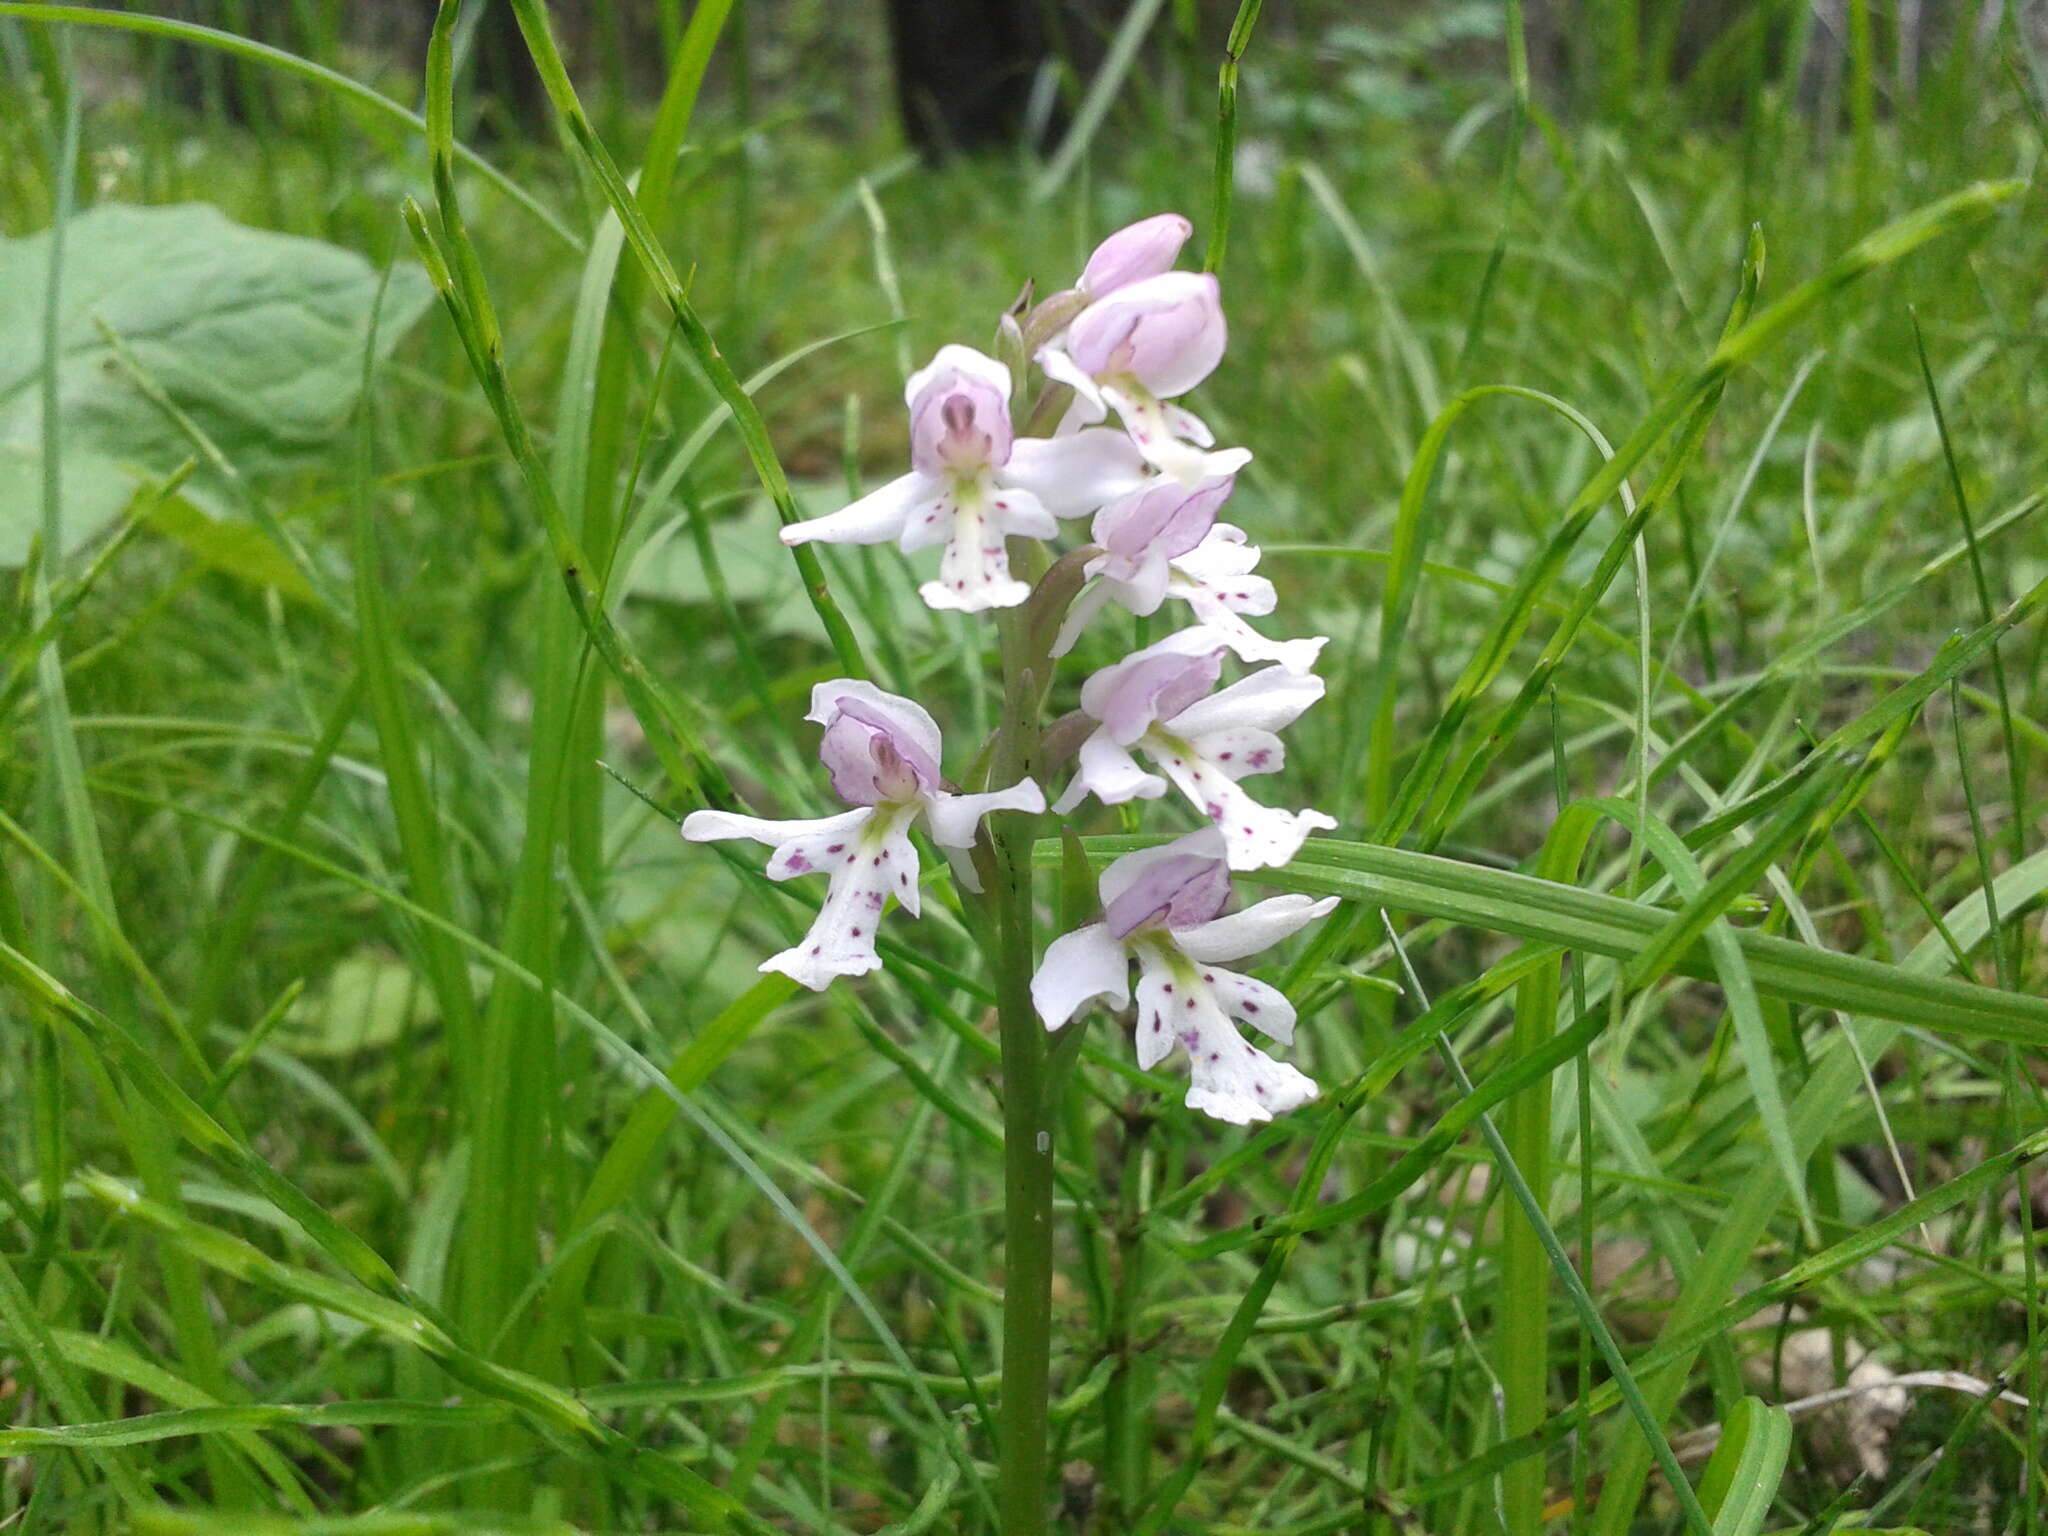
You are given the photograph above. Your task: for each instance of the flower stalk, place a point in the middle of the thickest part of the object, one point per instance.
(1127, 340)
(1022, 1457)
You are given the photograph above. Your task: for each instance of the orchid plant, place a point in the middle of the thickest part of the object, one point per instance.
(1130, 338)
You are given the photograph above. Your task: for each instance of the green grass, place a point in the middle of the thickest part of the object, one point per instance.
(394, 1135)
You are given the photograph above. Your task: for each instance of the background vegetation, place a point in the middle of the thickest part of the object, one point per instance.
(393, 1123)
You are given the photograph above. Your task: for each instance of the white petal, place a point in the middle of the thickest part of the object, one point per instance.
(1258, 836)
(1200, 581)
(1080, 614)
(1265, 1008)
(876, 518)
(1150, 422)
(721, 826)
(1270, 699)
(1258, 927)
(821, 851)
(1242, 751)
(1078, 968)
(931, 521)
(1251, 647)
(968, 361)
(974, 572)
(1075, 474)
(1185, 423)
(1107, 770)
(878, 866)
(953, 818)
(1245, 1086)
(1156, 1035)
(1225, 552)
(1019, 514)
(1062, 369)
(1231, 1079)
(1144, 589)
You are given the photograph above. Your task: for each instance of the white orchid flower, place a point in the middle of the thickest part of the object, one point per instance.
(1162, 907)
(1132, 351)
(883, 755)
(1163, 541)
(973, 484)
(1158, 700)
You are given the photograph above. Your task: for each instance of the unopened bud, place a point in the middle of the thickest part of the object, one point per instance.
(1052, 317)
(1009, 348)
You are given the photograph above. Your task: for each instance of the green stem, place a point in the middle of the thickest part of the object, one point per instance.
(1022, 1456)
(1124, 1420)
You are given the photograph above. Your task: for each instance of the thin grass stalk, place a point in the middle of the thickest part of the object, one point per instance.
(547, 58)
(1510, 181)
(254, 52)
(1877, 249)
(1225, 178)
(64, 801)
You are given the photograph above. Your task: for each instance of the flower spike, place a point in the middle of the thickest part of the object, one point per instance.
(973, 484)
(1160, 700)
(1162, 907)
(882, 753)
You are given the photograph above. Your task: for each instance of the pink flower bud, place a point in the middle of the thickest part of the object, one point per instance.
(1144, 249)
(1167, 332)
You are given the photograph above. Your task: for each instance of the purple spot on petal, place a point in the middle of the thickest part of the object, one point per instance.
(837, 848)
(855, 932)
(1251, 1007)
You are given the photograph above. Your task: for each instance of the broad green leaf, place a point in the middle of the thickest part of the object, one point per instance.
(757, 572)
(255, 337)
(234, 547)
(369, 1001)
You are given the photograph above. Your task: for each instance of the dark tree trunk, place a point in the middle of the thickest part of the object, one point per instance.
(964, 70)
